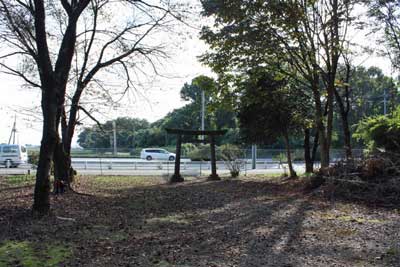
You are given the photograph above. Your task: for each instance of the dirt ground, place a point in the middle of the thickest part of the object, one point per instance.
(142, 221)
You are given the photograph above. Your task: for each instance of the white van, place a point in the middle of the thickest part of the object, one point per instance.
(13, 155)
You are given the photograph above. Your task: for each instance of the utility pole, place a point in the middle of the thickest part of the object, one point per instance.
(202, 109)
(203, 100)
(13, 132)
(115, 137)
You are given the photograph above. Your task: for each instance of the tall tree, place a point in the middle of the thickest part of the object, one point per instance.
(86, 36)
(268, 109)
(305, 37)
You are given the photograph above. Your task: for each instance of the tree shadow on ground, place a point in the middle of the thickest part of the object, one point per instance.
(200, 223)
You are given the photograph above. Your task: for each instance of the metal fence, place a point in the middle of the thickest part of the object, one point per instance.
(276, 154)
(103, 162)
(267, 160)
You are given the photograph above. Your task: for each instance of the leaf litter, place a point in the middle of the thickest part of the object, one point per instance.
(142, 221)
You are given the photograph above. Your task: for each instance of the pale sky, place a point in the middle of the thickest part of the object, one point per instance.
(156, 102)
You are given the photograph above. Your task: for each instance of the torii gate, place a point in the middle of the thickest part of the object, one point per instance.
(211, 134)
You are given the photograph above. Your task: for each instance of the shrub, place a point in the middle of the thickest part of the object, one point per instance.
(233, 158)
(202, 152)
(188, 148)
(382, 132)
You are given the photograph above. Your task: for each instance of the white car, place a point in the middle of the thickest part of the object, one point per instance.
(156, 153)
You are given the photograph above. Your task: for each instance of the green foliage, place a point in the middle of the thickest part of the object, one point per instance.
(269, 108)
(202, 152)
(150, 137)
(367, 89)
(232, 136)
(96, 137)
(192, 92)
(27, 254)
(189, 116)
(380, 131)
(188, 148)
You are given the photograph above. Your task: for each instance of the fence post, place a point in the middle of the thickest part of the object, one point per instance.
(85, 164)
(253, 156)
(101, 167)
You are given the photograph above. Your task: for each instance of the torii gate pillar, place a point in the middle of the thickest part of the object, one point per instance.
(176, 177)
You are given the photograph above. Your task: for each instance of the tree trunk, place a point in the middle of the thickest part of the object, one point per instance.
(345, 127)
(53, 84)
(319, 122)
(344, 109)
(329, 123)
(63, 167)
(63, 172)
(41, 202)
(292, 172)
(315, 147)
(307, 152)
(323, 145)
